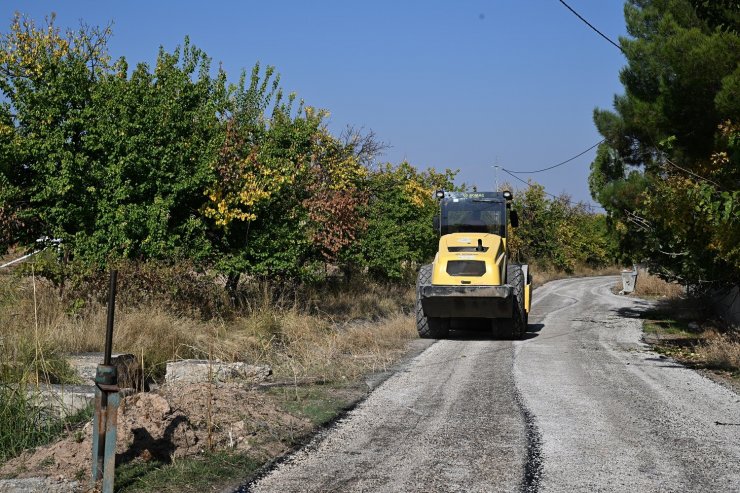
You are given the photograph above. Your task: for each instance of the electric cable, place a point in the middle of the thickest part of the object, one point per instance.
(591, 26)
(582, 204)
(559, 164)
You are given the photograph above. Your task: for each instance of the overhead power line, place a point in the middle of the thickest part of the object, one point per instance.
(588, 206)
(592, 26)
(559, 164)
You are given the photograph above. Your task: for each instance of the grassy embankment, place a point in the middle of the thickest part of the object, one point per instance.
(685, 329)
(319, 342)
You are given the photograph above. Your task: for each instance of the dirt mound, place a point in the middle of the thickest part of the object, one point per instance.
(172, 423)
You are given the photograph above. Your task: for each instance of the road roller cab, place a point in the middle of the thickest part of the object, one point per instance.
(471, 277)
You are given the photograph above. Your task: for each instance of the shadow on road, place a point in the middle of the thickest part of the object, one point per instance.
(631, 311)
(535, 327)
(481, 331)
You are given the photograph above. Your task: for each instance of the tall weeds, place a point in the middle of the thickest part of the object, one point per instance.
(25, 424)
(303, 331)
(650, 285)
(328, 333)
(721, 351)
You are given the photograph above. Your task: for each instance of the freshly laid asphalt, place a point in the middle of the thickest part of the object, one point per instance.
(580, 405)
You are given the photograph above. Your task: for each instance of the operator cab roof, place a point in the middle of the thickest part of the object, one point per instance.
(475, 196)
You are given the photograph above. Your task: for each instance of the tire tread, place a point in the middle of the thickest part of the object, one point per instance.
(517, 325)
(428, 328)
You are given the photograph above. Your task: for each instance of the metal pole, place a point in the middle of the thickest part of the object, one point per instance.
(107, 400)
(111, 314)
(440, 217)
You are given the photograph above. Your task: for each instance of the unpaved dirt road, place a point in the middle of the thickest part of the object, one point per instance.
(580, 405)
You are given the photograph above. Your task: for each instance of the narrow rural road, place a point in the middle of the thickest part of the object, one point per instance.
(580, 405)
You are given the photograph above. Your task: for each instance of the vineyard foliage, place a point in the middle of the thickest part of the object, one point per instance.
(175, 164)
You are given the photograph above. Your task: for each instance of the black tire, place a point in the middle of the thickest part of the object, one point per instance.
(516, 326)
(428, 327)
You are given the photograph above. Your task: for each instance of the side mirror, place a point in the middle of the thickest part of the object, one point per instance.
(435, 224)
(514, 218)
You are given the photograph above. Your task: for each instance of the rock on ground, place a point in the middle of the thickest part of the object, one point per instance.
(127, 366)
(201, 371)
(39, 485)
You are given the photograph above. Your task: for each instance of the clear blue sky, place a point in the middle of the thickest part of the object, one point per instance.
(458, 84)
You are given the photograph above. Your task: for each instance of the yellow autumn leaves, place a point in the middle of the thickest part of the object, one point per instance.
(27, 50)
(238, 201)
(244, 184)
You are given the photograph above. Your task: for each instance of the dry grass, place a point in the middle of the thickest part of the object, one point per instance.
(721, 351)
(685, 329)
(308, 336)
(26, 353)
(328, 334)
(363, 300)
(653, 286)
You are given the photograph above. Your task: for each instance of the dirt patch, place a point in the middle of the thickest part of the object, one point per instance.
(174, 423)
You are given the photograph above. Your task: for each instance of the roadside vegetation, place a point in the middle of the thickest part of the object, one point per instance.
(24, 424)
(685, 328)
(654, 287)
(301, 332)
(242, 229)
(668, 171)
(319, 342)
(689, 337)
(560, 238)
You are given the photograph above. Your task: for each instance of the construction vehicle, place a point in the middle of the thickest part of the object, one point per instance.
(471, 278)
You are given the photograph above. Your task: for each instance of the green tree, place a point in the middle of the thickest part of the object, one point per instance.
(263, 173)
(170, 163)
(556, 232)
(668, 173)
(399, 234)
(150, 146)
(115, 166)
(47, 79)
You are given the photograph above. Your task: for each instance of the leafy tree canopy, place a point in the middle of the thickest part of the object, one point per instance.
(669, 170)
(173, 162)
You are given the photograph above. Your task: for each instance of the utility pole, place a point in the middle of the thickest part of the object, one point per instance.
(495, 175)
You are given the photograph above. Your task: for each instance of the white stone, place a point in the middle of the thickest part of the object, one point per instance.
(200, 371)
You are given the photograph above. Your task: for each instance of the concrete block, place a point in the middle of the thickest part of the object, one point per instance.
(199, 371)
(727, 305)
(629, 279)
(62, 401)
(127, 365)
(45, 485)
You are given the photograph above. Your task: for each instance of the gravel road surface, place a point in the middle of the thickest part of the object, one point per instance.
(580, 405)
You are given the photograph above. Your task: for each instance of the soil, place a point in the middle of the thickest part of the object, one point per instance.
(172, 423)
